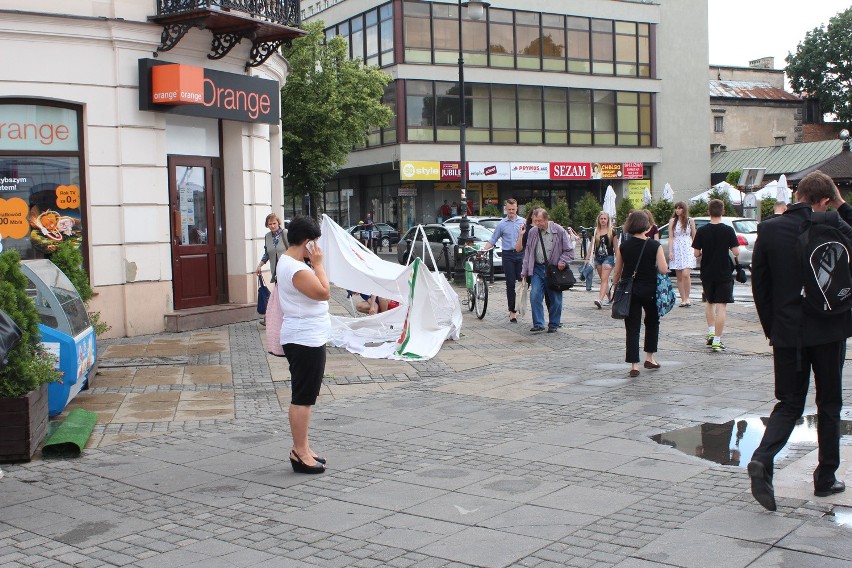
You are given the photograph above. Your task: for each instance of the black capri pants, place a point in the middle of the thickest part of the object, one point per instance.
(307, 366)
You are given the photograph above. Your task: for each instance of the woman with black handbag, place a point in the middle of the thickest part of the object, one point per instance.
(643, 258)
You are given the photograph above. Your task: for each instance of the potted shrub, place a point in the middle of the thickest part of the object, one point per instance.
(28, 370)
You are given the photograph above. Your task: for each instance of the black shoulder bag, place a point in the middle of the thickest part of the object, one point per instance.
(557, 280)
(624, 290)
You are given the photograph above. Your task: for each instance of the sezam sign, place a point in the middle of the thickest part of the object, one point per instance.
(198, 91)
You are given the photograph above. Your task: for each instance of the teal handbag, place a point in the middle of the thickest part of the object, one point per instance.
(666, 297)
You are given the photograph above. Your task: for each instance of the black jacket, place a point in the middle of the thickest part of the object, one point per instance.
(777, 280)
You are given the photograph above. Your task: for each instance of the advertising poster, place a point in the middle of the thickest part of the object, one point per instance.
(530, 170)
(606, 170)
(636, 190)
(410, 171)
(634, 170)
(40, 204)
(488, 171)
(570, 170)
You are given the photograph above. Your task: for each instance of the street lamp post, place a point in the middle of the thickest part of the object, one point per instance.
(476, 11)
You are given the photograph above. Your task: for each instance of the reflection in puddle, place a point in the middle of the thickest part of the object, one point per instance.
(733, 443)
(841, 516)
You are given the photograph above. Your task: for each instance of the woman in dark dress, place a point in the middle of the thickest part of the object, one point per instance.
(644, 296)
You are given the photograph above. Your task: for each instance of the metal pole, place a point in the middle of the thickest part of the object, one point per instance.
(464, 225)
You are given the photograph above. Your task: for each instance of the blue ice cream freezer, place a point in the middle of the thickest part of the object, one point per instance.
(66, 330)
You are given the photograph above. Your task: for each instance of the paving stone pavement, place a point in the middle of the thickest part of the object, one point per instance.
(507, 449)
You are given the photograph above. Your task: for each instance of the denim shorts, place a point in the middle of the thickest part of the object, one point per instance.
(608, 260)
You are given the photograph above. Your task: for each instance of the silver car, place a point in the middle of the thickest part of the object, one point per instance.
(490, 222)
(746, 230)
(435, 235)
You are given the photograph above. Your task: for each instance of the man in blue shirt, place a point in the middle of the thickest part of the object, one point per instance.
(508, 230)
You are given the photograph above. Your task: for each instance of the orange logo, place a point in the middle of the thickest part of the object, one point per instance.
(67, 197)
(13, 218)
(176, 84)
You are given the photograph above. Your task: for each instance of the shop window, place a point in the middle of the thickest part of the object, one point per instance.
(529, 115)
(555, 116)
(501, 46)
(602, 47)
(579, 45)
(553, 42)
(371, 34)
(420, 111)
(417, 31)
(528, 37)
(386, 35)
(445, 24)
(356, 43)
(41, 186)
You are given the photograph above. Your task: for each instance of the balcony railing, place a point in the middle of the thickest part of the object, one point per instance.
(284, 12)
(267, 23)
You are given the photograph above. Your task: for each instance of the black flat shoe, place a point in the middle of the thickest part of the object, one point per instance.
(836, 487)
(301, 467)
(761, 485)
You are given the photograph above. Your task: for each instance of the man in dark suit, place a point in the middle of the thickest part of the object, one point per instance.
(800, 341)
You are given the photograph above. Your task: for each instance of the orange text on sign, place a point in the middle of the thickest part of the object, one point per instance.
(68, 197)
(13, 218)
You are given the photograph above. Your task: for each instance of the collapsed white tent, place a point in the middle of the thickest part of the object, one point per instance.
(735, 195)
(429, 311)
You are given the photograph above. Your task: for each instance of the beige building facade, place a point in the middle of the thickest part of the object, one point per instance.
(168, 204)
(750, 108)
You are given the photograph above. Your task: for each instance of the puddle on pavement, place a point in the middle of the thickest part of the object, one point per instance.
(733, 442)
(841, 516)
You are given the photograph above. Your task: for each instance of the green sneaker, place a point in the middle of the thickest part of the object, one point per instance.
(717, 345)
(710, 336)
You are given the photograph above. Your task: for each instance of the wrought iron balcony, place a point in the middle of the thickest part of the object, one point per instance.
(267, 23)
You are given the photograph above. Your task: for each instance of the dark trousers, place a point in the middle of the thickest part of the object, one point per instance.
(512, 265)
(792, 374)
(633, 323)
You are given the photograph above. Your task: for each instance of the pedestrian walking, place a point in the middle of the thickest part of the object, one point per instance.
(303, 293)
(508, 231)
(521, 245)
(713, 244)
(603, 245)
(645, 258)
(548, 244)
(801, 340)
(681, 257)
(274, 246)
(654, 231)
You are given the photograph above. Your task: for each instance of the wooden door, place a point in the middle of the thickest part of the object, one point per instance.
(191, 201)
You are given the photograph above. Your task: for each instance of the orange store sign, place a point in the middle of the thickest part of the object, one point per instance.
(197, 91)
(35, 127)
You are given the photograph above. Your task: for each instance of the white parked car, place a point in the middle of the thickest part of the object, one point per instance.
(745, 228)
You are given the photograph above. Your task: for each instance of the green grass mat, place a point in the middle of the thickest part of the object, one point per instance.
(69, 439)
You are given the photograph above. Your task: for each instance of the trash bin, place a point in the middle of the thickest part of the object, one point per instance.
(66, 330)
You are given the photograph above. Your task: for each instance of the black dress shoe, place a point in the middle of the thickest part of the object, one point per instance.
(836, 487)
(761, 485)
(301, 467)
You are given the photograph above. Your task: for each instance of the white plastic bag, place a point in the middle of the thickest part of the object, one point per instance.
(522, 297)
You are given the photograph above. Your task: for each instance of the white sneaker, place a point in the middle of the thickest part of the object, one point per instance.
(606, 302)
(598, 304)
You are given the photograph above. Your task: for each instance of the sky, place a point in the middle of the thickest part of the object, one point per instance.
(742, 30)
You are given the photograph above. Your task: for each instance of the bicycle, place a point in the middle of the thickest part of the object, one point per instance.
(477, 265)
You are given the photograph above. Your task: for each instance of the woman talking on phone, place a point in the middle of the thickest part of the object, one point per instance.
(303, 292)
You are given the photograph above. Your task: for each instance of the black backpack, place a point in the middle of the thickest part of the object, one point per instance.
(825, 250)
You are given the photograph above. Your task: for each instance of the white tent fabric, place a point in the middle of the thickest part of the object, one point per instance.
(646, 198)
(668, 192)
(429, 311)
(735, 195)
(775, 190)
(609, 201)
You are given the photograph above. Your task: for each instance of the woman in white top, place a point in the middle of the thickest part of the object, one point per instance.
(303, 292)
(681, 257)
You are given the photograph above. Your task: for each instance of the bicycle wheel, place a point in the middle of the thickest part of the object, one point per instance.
(471, 300)
(480, 291)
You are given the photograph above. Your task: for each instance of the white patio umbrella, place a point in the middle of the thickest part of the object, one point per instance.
(609, 201)
(646, 198)
(784, 193)
(668, 193)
